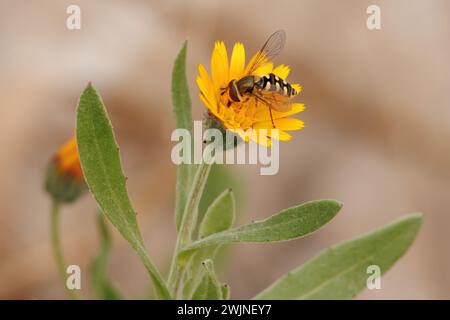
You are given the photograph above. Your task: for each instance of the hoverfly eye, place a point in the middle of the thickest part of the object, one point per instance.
(234, 93)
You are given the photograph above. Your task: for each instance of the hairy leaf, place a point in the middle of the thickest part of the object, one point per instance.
(183, 120)
(100, 160)
(342, 271)
(288, 224)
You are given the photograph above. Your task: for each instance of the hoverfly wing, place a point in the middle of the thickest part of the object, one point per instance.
(269, 50)
(273, 100)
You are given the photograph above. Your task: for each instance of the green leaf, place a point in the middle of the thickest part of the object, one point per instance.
(183, 120)
(180, 91)
(100, 160)
(288, 224)
(220, 178)
(341, 271)
(209, 288)
(220, 215)
(101, 284)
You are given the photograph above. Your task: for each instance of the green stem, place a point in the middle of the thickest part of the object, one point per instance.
(188, 224)
(56, 246)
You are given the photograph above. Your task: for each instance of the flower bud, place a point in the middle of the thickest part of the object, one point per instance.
(65, 180)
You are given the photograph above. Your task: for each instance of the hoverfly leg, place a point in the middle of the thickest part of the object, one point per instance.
(271, 117)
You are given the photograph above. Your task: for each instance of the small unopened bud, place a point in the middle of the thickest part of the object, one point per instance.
(65, 180)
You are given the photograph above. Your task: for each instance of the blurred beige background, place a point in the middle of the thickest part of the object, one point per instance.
(376, 136)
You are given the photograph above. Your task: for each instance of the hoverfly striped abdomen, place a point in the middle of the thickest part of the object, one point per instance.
(273, 83)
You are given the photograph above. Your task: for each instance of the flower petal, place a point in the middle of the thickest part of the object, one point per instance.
(297, 87)
(264, 69)
(219, 65)
(263, 114)
(211, 105)
(284, 124)
(282, 71)
(279, 135)
(206, 88)
(259, 137)
(237, 64)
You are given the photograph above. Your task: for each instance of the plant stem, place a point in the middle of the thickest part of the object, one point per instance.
(56, 246)
(188, 224)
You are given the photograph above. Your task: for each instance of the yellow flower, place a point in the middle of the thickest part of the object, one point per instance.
(249, 119)
(65, 180)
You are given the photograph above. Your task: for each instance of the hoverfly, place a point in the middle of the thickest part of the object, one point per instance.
(269, 90)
